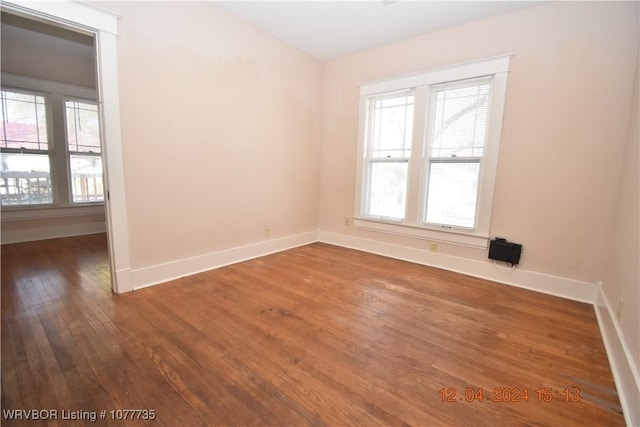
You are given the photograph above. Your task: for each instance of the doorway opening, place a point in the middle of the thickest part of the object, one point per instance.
(51, 175)
(85, 176)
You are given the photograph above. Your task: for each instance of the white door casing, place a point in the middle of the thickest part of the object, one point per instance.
(104, 25)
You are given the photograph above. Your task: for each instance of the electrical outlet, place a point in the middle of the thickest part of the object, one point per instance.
(267, 232)
(619, 309)
(433, 247)
(347, 220)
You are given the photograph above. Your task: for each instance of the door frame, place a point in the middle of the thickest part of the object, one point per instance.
(103, 25)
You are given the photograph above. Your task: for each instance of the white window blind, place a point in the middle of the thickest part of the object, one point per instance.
(458, 130)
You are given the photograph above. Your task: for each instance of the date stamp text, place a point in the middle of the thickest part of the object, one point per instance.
(508, 394)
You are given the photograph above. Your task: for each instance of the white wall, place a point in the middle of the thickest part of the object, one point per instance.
(622, 278)
(220, 131)
(567, 176)
(564, 132)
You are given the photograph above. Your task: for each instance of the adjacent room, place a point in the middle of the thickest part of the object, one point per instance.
(320, 213)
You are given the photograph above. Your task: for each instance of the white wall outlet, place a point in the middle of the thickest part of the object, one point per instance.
(267, 232)
(347, 220)
(433, 247)
(619, 308)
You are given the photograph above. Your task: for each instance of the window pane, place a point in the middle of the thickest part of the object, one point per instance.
(388, 189)
(83, 127)
(86, 178)
(25, 179)
(460, 122)
(24, 121)
(392, 127)
(452, 193)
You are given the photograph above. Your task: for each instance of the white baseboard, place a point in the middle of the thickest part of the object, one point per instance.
(625, 373)
(155, 274)
(53, 232)
(123, 283)
(540, 282)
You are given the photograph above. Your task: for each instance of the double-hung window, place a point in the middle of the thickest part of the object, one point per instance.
(428, 148)
(83, 144)
(388, 154)
(51, 151)
(457, 131)
(26, 170)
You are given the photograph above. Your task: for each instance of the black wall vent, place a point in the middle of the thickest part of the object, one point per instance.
(503, 250)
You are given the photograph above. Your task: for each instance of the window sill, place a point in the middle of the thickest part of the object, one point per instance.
(455, 237)
(23, 213)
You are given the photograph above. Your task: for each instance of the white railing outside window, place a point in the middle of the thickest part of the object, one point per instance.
(25, 188)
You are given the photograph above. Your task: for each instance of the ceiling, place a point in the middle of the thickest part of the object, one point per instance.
(330, 29)
(324, 29)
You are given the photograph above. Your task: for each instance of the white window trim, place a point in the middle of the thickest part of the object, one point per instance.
(412, 226)
(456, 236)
(49, 212)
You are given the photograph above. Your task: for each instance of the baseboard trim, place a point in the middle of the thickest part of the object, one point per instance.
(123, 281)
(160, 273)
(540, 282)
(625, 373)
(53, 232)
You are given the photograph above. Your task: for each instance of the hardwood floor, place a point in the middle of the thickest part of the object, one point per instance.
(317, 335)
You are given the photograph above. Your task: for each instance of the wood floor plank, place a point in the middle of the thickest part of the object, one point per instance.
(318, 335)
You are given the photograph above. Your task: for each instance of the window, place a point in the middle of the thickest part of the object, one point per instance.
(457, 135)
(26, 172)
(388, 154)
(83, 142)
(51, 150)
(428, 146)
